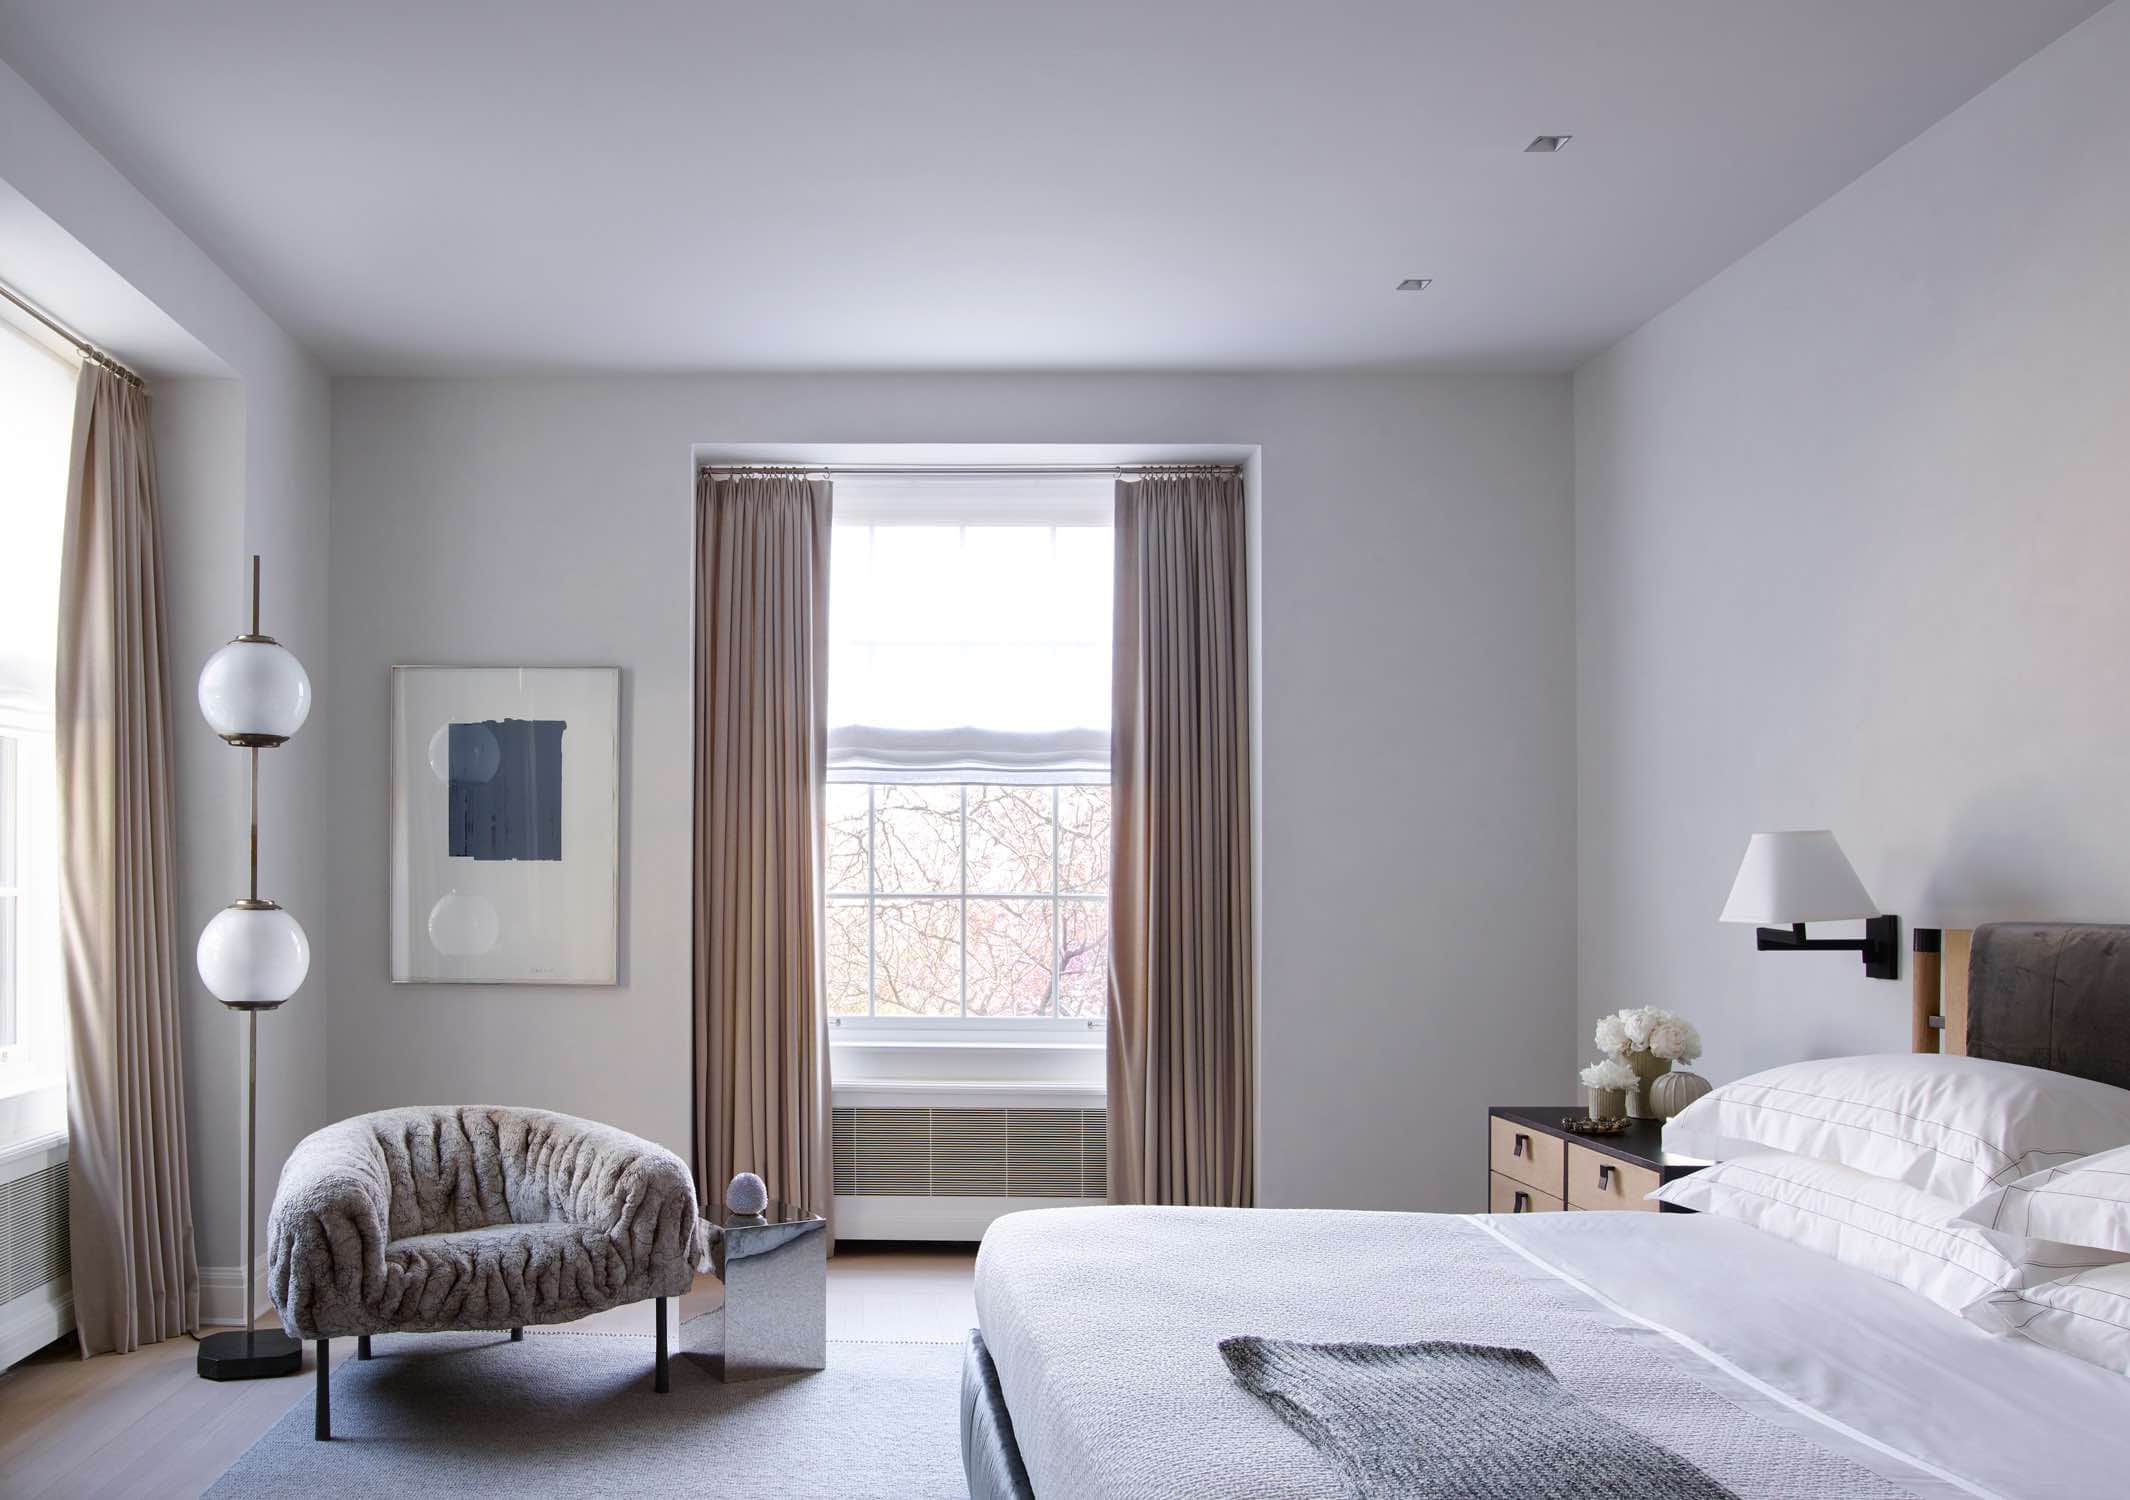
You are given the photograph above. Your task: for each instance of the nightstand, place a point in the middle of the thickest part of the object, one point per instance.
(1535, 1165)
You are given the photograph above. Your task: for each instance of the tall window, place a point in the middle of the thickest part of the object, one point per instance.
(968, 810)
(36, 419)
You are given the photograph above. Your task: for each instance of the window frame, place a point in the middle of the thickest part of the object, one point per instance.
(1048, 1030)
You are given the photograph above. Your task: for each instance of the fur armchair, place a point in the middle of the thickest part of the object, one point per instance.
(475, 1217)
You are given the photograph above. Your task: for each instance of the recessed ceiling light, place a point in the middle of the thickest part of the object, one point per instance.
(1416, 283)
(1548, 143)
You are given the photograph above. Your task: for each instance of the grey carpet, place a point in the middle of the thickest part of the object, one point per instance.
(574, 1414)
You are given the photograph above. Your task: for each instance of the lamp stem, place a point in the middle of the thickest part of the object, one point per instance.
(255, 822)
(251, 1149)
(255, 594)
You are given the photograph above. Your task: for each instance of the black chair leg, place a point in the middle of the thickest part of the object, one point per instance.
(322, 1428)
(662, 1385)
(362, 1347)
(517, 1335)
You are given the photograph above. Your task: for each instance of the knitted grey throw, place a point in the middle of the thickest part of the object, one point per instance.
(1449, 1421)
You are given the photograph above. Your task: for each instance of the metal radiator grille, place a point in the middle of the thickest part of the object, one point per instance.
(33, 1231)
(971, 1153)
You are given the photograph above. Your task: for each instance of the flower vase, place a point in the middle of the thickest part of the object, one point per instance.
(1607, 1104)
(1646, 1065)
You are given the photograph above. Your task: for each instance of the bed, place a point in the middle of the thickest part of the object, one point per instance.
(1781, 1373)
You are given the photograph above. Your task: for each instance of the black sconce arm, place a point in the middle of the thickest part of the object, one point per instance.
(1880, 944)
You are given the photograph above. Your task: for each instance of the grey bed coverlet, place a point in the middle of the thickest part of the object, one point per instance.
(1105, 1325)
(1442, 1420)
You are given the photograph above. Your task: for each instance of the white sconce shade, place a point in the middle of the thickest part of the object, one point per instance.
(1788, 878)
(253, 957)
(254, 692)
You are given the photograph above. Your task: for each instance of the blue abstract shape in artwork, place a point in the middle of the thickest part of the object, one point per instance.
(506, 789)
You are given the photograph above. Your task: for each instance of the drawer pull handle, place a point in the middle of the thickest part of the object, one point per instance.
(1605, 1173)
(1522, 1146)
(1520, 1204)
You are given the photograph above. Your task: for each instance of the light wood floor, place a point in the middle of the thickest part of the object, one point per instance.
(145, 1425)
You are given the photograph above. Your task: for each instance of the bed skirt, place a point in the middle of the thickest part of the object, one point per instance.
(989, 1456)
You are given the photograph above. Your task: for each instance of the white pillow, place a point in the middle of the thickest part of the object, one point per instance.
(2085, 1202)
(2086, 1316)
(1956, 1127)
(1887, 1228)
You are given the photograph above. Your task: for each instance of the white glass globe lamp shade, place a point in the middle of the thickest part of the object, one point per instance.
(253, 955)
(254, 692)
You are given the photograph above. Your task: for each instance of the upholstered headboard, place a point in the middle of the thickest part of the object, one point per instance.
(2051, 995)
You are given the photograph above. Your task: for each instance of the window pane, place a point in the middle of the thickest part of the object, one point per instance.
(1009, 839)
(846, 837)
(1083, 838)
(844, 960)
(917, 838)
(1009, 958)
(1083, 959)
(917, 963)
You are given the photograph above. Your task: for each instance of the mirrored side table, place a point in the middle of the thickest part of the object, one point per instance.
(775, 1269)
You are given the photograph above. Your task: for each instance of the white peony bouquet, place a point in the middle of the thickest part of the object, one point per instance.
(1609, 1073)
(1647, 1029)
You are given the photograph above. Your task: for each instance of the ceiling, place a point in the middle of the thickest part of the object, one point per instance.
(410, 186)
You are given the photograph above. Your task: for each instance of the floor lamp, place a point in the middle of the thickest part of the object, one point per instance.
(253, 955)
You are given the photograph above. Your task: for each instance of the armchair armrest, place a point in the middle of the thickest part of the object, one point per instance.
(327, 1231)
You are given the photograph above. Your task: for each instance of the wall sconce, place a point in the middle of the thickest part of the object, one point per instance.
(1789, 879)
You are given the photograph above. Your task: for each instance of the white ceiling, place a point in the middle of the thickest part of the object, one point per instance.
(994, 184)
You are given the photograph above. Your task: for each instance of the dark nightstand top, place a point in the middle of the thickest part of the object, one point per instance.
(1641, 1143)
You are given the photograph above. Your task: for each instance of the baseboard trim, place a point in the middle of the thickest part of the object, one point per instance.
(34, 1319)
(222, 1295)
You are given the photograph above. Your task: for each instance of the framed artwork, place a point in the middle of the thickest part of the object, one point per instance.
(506, 818)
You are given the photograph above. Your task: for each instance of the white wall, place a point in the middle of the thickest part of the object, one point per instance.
(1851, 528)
(243, 469)
(1418, 783)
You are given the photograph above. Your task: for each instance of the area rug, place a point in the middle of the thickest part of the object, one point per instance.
(474, 1414)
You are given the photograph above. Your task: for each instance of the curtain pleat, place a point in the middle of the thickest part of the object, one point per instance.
(1182, 1006)
(135, 1274)
(761, 710)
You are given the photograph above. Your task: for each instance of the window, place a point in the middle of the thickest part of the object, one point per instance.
(971, 901)
(968, 813)
(36, 420)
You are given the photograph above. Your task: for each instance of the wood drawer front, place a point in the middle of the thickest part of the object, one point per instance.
(1596, 1180)
(1505, 1195)
(1535, 1163)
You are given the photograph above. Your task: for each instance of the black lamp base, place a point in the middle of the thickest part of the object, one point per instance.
(255, 1355)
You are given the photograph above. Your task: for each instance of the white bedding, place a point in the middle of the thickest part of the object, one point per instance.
(1103, 1322)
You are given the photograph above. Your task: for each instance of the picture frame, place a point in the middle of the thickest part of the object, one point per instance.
(505, 825)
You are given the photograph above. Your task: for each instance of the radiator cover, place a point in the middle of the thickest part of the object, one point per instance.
(922, 1152)
(33, 1231)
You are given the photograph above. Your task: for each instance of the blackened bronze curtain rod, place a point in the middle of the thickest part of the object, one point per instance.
(82, 346)
(958, 470)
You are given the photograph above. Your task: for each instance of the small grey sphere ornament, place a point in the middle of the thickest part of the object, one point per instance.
(747, 1195)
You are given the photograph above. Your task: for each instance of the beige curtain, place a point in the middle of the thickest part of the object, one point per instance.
(761, 710)
(1182, 1012)
(136, 1279)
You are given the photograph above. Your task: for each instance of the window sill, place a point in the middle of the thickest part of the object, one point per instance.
(880, 1043)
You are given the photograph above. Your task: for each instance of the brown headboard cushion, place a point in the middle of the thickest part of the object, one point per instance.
(2052, 995)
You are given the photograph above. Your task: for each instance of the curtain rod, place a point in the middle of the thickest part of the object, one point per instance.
(82, 346)
(1002, 470)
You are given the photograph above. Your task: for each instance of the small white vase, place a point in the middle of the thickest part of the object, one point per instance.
(1607, 1104)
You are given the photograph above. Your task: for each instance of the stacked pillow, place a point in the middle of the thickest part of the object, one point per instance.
(2001, 1192)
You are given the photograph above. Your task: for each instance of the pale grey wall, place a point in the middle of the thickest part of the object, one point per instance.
(1417, 681)
(1851, 529)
